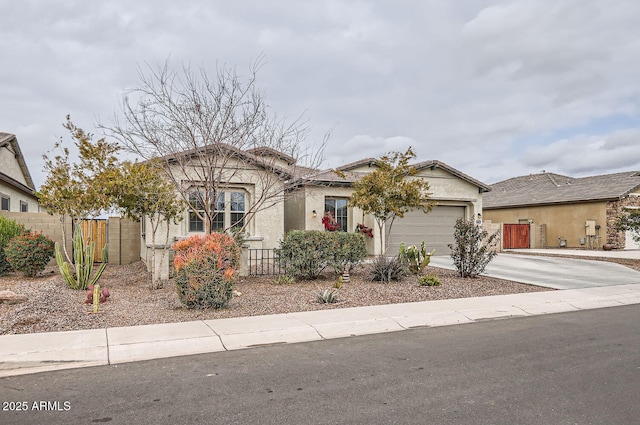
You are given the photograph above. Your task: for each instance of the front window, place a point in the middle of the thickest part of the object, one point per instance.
(337, 207)
(229, 211)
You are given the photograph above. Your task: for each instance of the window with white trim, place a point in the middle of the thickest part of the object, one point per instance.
(337, 207)
(230, 210)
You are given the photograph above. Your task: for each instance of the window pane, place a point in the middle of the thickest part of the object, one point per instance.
(338, 209)
(220, 202)
(24, 207)
(195, 223)
(4, 204)
(195, 201)
(237, 219)
(218, 221)
(237, 201)
(341, 213)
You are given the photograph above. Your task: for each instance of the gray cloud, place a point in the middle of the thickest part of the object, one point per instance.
(481, 85)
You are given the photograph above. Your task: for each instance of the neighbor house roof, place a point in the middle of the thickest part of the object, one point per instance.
(371, 162)
(10, 141)
(551, 188)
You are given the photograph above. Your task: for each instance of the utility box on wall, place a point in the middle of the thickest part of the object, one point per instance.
(590, 228)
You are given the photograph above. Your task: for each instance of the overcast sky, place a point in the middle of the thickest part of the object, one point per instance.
(495, 89)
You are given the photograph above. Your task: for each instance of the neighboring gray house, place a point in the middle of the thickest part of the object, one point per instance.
(16, 186)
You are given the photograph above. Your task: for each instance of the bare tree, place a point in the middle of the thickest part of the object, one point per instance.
(212, 133)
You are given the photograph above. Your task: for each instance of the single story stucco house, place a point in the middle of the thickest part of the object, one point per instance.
(307, 195)
(571, 212)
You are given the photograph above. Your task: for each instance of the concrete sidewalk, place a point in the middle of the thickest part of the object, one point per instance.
(31, 353)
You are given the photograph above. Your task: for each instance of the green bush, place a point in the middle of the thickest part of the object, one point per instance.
(385, 269)
(349, 250)
(473, 248)
(29, 253)
(304, 254)
(429, 280)
(206, 270)
(8, 230)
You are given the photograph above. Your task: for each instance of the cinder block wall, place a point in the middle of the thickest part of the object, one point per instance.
(124, 240)
(49, 225)
(123, 235)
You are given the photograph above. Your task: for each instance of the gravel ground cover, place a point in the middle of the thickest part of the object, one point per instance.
(52, 306)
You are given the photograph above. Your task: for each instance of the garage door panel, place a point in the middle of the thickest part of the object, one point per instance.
(435, 228)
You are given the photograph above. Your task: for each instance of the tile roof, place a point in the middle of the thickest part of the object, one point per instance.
(551, 188)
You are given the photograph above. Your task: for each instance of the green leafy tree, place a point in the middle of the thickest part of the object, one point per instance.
(77, 190)
(389, 191)
(629, 220)
(145, 193)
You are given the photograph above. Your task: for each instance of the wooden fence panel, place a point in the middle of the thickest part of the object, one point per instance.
(516, 236)
(95, 231)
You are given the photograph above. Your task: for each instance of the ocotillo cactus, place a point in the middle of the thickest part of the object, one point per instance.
(83, 263)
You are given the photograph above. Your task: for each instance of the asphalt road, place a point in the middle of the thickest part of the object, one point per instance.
(570, 368)
(553, 272)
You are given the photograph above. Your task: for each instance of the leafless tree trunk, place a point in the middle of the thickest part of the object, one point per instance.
(212, 134)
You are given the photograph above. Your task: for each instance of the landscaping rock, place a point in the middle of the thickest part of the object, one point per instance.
(10, 297)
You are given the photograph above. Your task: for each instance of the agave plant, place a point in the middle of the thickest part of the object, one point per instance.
(327, 296)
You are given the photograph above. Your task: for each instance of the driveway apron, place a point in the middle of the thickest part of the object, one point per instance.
(553, 272)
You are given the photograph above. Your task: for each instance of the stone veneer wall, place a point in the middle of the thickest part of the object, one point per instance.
(614, 210)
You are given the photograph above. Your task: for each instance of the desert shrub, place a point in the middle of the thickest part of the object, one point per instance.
(29, 253)
(8, 230)
(416, 259)
(304, 254)
(473, 248)
(429, 280)
(349, 250)
(385, 269)
(284, 280)
(206, 270)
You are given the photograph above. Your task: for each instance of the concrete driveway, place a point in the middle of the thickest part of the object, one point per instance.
(553, 272)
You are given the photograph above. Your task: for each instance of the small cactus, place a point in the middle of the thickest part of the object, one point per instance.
(81, 277)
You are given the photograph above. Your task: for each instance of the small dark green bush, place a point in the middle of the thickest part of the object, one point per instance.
(385, 269)
(473, 248)
(429, 280)
(349, 250)
(29, 253)
(304, 254)
(8, 230)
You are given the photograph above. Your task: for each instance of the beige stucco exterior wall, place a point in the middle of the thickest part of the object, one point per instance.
(565, 221)
(445, 189)
(265, 229)
(9, 165)
(15, 196)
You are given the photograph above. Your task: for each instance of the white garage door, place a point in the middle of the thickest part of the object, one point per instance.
(435, 229)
